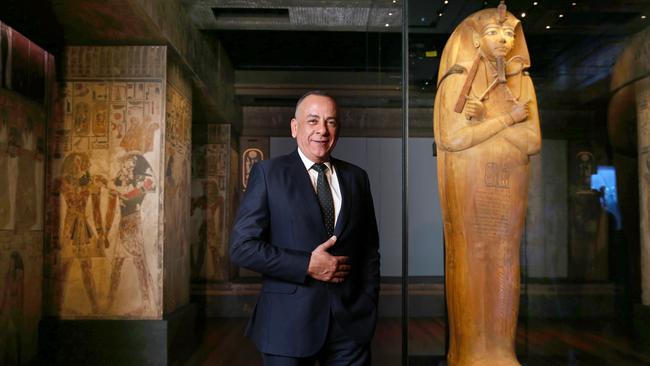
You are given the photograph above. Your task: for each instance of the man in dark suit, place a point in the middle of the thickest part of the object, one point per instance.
(307, 224)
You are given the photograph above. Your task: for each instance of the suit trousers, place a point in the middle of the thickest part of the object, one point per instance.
(338, 350)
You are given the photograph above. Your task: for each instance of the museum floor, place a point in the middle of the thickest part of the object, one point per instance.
(539, 343)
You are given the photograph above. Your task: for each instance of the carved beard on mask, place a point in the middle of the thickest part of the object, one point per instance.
(501, 69)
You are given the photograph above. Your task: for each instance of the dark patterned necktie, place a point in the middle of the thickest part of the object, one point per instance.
(325, 197)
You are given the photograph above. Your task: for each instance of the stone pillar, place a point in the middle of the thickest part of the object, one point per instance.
(119, 202)
(178, 149)
(643, 128)
(630, 71)
(214, 181)
(26, 75)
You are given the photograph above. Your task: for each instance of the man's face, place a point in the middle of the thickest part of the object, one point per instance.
(315, 127)
(497, 40)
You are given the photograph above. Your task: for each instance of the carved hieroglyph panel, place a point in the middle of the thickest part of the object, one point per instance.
(210, 187)
(177, 198)
(22, 136)
(106, 251)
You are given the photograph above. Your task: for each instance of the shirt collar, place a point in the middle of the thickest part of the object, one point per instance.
(308, 163)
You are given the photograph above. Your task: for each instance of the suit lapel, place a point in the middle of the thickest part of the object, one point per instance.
(344, 179)
(305, 194)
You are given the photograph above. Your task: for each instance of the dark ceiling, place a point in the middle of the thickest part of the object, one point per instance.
(572, 43)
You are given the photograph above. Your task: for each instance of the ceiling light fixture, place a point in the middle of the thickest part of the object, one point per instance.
(642, 16)
(548, 27)
(535, 3)
(390, 14)
(386, 25)
(560, 16)
(523, 15)
(573, 4)
(446, 1)
(439, 14)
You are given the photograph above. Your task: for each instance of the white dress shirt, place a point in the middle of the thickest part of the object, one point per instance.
(332, 179)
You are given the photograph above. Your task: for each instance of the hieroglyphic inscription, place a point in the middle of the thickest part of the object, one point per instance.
(497, 175)
(492, 213)
(115, 62)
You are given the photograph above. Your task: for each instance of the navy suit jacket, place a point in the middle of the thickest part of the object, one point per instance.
(278, 224)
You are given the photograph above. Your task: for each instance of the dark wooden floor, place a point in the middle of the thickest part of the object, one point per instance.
(539, 343)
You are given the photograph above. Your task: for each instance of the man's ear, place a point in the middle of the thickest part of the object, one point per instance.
(294, 128)
(476, 40)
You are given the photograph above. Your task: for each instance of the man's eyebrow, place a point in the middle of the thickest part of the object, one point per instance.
(313, 115)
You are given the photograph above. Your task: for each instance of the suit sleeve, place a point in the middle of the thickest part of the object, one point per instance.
(371, 257)
(250, 245)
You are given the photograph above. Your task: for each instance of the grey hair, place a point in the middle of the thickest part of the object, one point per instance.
(313, 92)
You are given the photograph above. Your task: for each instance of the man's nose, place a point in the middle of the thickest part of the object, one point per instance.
(322, 128)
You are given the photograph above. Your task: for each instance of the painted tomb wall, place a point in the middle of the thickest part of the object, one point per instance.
(26, 72)
(213, 190)
(106, 185)
(178, 145)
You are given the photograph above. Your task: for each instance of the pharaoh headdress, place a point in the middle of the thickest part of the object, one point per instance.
(462, 51)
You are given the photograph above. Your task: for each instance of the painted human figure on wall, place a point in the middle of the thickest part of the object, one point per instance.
(486, 126)
(78, 239)
(81, 120)
(133, 181)
(199, 244)
(11, 311)
(26, 202)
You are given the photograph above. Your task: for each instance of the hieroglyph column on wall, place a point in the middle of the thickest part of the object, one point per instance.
(178, 148)
(212, 185)
(107, 185)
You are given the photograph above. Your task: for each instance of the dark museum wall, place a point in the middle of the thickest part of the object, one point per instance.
(629, 134)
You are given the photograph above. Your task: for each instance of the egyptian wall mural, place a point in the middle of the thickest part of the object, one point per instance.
(22, 133)
(212, 184)
(26, 71)
(106, 185)
(177, 189)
